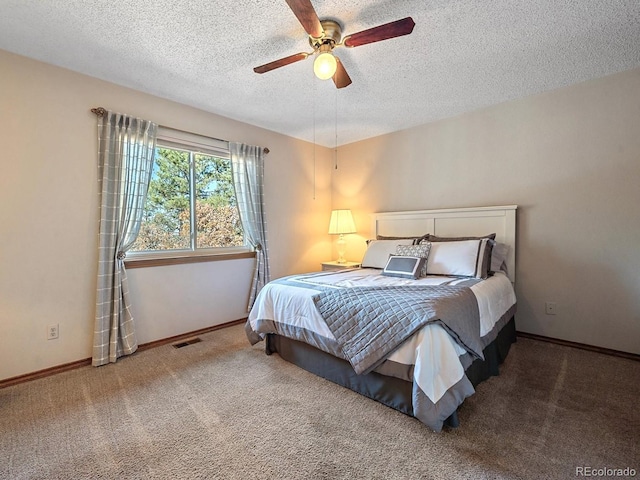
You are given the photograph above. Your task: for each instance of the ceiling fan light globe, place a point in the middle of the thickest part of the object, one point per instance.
(325, 65)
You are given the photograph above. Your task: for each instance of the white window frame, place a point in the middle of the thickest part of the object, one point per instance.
(178, 139)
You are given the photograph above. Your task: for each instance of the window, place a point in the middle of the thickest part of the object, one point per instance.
(191, 205)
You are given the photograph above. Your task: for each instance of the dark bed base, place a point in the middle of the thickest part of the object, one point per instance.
(390, 391)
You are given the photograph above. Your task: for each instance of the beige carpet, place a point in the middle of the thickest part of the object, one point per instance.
(222, 409)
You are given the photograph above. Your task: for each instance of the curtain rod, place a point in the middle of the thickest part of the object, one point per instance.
(100, 112)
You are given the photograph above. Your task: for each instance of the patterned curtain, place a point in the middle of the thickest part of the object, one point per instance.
(125, 160)
(247, 168)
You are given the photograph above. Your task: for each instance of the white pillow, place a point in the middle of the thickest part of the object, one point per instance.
(378, 252)
(461, 259)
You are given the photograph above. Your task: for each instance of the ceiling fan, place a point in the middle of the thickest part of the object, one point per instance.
(325, 35)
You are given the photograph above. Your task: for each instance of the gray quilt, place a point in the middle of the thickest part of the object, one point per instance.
(369, 323)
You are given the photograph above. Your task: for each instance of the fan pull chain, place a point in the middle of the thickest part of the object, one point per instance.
(336, 131)
(314, 136)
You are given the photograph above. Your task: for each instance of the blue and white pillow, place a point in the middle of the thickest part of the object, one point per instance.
(404, 266)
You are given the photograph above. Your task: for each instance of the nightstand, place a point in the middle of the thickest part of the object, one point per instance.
(328, 266)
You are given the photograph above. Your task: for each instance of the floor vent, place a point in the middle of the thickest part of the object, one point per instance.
(187, 342)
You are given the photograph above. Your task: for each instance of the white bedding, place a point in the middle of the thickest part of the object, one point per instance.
(433, 352)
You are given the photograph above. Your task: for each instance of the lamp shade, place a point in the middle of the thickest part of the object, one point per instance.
(341, 222)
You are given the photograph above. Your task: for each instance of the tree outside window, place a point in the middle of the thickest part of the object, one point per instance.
(190, 204)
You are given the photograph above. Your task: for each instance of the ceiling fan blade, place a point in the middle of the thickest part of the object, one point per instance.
(267, 67)
(341, 78)
(381, 32)
(307, 16)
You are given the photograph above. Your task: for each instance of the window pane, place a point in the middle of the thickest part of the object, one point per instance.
(217, 219)
(166, 221)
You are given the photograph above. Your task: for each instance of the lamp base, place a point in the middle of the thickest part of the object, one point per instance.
(342, 247)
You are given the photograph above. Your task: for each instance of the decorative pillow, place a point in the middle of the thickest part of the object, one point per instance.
(404, 266)
(378, 252)
(415, 251)
(464, 258)
(499, 257)
(486, 259)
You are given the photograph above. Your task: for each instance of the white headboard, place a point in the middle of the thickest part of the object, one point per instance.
(454, 222)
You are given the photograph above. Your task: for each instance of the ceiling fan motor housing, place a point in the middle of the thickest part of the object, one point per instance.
(332, 34)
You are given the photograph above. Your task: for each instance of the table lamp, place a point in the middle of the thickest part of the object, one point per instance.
(341, 223)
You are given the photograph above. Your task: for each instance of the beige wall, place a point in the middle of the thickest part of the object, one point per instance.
(570, 159)
(49, 218)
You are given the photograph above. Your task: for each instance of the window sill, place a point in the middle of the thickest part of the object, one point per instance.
(182, 260)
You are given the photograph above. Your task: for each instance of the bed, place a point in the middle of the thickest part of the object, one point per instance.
(418, 337)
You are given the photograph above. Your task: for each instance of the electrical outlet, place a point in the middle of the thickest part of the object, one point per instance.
(550, 308)
(52, 332)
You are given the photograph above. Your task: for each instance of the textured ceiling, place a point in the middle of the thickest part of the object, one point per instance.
(462, 55)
